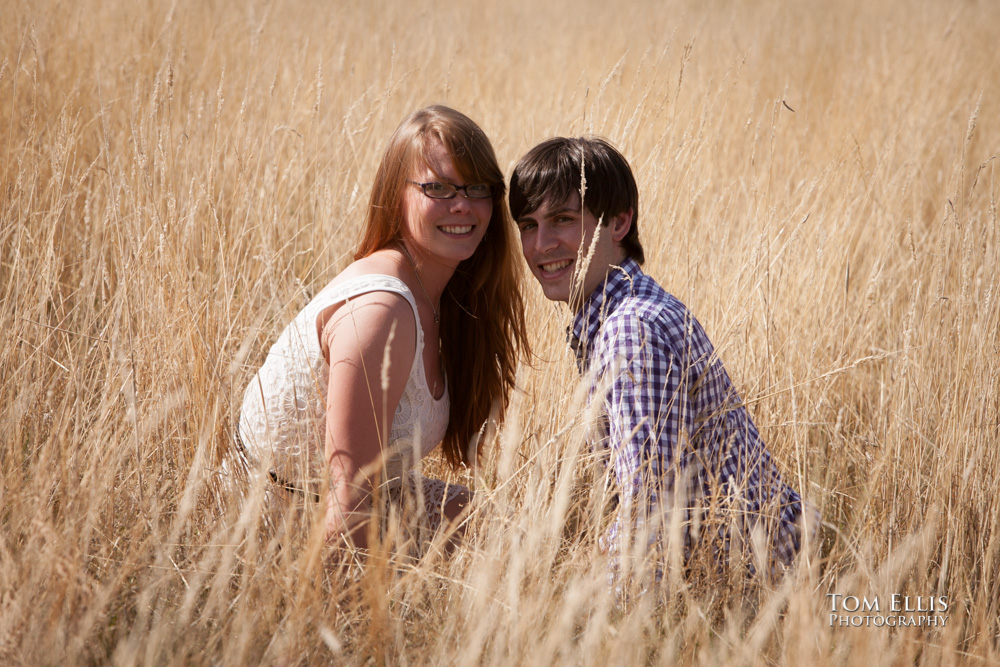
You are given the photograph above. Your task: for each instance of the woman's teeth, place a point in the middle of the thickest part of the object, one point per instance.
(462, 229)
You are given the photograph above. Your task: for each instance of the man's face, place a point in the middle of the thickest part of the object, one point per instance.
(558, 242)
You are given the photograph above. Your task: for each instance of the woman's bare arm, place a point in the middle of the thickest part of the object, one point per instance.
(370, 343)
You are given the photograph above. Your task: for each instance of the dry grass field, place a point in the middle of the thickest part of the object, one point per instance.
(818, 183)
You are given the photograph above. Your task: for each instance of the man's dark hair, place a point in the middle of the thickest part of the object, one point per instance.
(551, 171)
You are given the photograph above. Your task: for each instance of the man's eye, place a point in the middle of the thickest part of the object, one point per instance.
(527, 226)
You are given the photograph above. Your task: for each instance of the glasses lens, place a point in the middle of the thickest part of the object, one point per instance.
(479, 191)
(439, 190)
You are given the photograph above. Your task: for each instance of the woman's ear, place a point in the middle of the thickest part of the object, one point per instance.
(620, 225)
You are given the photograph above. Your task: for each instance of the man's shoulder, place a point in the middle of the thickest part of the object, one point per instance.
(649, 317)
(647, 310)
(649, 303)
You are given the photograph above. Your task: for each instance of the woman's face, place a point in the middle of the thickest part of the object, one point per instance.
(443, 230)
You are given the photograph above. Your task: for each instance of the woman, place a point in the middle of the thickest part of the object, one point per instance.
(413, 344)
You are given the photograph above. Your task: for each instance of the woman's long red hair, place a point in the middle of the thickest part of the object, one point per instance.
(482, 314)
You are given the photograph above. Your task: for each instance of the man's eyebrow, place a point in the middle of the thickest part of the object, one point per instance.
(564, 209)
(550, 214)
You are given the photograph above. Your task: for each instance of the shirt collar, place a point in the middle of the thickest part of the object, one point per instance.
(603, 300)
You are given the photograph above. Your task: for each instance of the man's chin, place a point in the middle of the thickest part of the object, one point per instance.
(556, 294)
(554, 290)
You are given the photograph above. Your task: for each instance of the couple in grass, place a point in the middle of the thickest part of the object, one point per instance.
(416, 344)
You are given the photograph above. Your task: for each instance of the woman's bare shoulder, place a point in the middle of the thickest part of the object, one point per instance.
(369, 324)
(376, 306)
(370, 316)
(382, 262)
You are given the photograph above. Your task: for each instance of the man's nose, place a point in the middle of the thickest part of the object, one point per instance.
(545, 239)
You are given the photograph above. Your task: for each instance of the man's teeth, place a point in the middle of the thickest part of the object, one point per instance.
(556, 266)
(458, 229)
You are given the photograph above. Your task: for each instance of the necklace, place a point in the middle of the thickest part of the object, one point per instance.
(436, 311)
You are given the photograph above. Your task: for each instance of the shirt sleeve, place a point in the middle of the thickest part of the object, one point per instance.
(649, 415)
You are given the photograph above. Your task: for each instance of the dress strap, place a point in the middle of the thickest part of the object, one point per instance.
(373, 282)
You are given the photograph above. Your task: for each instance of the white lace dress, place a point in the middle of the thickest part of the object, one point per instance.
(283, 417)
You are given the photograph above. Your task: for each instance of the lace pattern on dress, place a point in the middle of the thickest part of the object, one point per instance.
(283, 416)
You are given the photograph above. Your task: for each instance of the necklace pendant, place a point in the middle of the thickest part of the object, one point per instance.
(436, 311)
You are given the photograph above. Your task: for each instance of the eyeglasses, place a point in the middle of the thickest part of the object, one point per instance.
(437, 190)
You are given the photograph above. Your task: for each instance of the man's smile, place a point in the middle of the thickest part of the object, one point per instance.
(553, 267)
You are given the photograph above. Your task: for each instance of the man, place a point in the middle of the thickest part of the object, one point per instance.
(682, 447)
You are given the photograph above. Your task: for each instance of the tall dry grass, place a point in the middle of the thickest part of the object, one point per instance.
(818, 183)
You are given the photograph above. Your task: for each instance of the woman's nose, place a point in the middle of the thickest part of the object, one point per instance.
(460, 203)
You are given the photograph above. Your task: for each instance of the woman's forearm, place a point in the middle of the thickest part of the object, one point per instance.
(348, 512)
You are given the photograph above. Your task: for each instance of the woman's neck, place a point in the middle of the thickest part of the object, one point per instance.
(431, 276)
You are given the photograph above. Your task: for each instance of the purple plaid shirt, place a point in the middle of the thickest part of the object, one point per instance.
(677, 432)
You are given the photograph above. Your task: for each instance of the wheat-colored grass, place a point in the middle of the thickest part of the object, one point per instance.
(818, 183)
